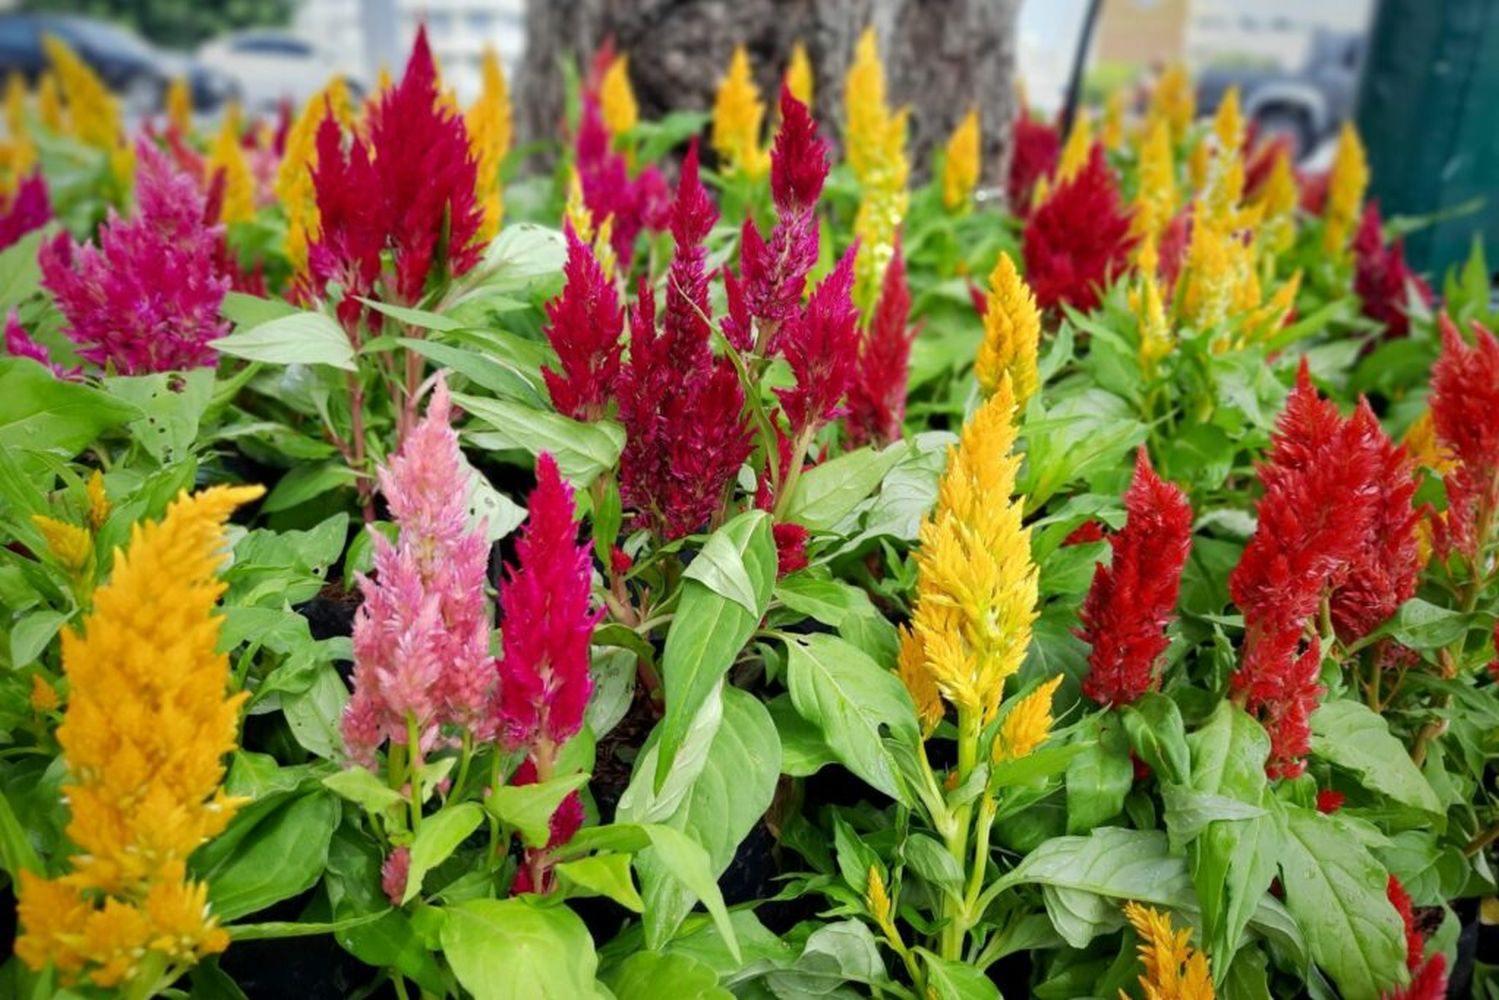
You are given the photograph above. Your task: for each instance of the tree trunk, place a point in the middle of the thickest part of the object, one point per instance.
(941, 58)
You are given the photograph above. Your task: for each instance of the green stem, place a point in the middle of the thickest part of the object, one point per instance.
(414, 771)
(466, 755)
(970, 723)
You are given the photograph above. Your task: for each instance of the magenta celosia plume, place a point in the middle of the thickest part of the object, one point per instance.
(1133, 598)
(1464, 400)
(147, 298)
(405, 187)
(1381, 279)
(584, 325)
(27, 209)
(546, 620)
(421, 637)
(1320, 506)
(822, 347)
(1079, 238)
(877, 397)
(609, 192)
(19, 344)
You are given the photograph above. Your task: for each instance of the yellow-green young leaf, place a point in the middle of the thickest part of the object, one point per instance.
(582, 450)
(504, 949)
(304, 338)
(601, 875)
(273, 850)
(529, 808)
(650, 975)
(363, 789)
(439, 837)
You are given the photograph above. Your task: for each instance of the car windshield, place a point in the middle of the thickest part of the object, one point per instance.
(98, 35)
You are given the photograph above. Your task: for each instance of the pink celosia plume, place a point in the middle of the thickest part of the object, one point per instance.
(27, 209)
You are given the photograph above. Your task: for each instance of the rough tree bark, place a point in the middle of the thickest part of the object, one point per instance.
(941, 57)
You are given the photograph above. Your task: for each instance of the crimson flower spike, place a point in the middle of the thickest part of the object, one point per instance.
(1078, 238)
(1464, 399)
(1133, 598)
(584, 325)
(877, 397)
(822, 347)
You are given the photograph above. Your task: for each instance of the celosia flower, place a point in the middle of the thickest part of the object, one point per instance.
(1112, 133)
(866, 115)
(1173, 100)
(1228, 122)
(294, 187)
(1381, 279)
(1156, 197)
(1078, 239)
(1037, 148)
(19, 344)
(25, 209)
(737, 114)
(875, 141)
(421, 637)
(147, 298)
(598, 238)
(822, 347)
(976, 584)
(1150, 311)
(1027, 724)
(1428, 976)
(1329, 801)
(49, 103)
(609, 192)
(1084, 534)
(70, 546)
(98, 501)
(877, 901)
(1133, 598)
(791, 547)
(1012, 334)
(773, 275)
(547, 622)
(144, 736)
(1464, 399)
(488, 124)
(799, 79)
(43, 697)
(1173, 969)
(617, 97)
(960, 166)
(227, 161)
(918, 680)
(1346, 182)
(584, 325)
(877, 395)
(179, 105)
(394, 871)
(1318, 512)
(1219, 280)
(93, 114)
(1276, 201)
(1077, 149)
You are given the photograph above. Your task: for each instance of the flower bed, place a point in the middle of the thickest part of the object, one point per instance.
(721, 568)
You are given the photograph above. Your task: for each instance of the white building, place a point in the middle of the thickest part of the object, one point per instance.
(1275, 32)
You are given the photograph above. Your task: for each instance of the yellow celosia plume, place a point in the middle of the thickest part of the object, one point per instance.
(875, 144)
(866, 115)
(799, 78)
(70, 546)
(1173, 969)
(98, 501)
(1173, 101)
(1112, 134)
(918, 681)
(1263, 322)
(737, 114)
(1012, 334)
(1228, 123)
(1156, 200)
(1276, 202)
(180, 105)
(144, 737)
(976, 584)
(294, 187)
(960, 168)
(581, 219)
(1077, 148)
(1345, 191)
(617, 97)
(1027, 724)
(228, 158)
(93, 115)
(489, 130)
(49, 103)
(1150, 312)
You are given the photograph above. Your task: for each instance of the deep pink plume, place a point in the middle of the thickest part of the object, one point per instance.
(27, 209)
(584, 325)
(877, 397)
(822, 347)
(1381, 278)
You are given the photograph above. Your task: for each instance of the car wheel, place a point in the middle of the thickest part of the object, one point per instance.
(1290, 123)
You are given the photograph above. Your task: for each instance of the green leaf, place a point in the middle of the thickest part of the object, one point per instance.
(172, 406)
(41, 412)
(803, 750)
(438, 838)
(933, 862)
(304, 338)
(827, 493)
(16, 852)
(710, 629)
(32, 633)
(251, 310)
(501, 949)
(582, 450)
(363, 789)
(649, 975)
(20, 273)
(1099, 777)
(1157, 734)
(1336, 891)
(1349, 734)
(600, 875)
(504, 380)
(850, 699)
(951, 980)
(306, 482)
(522, 252)
(529, 808)
(420, 318)
(1422, 625)
(269, 853)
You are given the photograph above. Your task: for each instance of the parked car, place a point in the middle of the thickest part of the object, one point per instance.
(128, 65)
(270, 67)
(1305, 106)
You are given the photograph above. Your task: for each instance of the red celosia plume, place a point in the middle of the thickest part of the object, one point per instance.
(1038, 146)
(877, 397)
(584, 325)
(1464, 399)
(1428, 976)
(1133, 598)
(822, 347)
(1079, 238)
(1381, 278)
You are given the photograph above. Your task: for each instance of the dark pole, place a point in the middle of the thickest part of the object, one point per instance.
(1079, 58)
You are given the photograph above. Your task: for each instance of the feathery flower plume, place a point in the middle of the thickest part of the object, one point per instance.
(875, 141)
(799, 78)
(93, 114)
(1428, 976)
(822, 347)
(227, 161)
(489, 130)
(1173, 101)
(960, 167)
(610, 193)
(144, 735)
(584, 325)
(1318, 511)
(1012, 334)
(1076, 150)
(1228, 122)
(617, 97)
(737, 114)
(26, 209)
(547, 623)
(421, 637)
(293, 185)
(71, 547)
(1027, 724)
(179, 105)
(918, 680)
(1112, 132)
(1155, 336)
(19, 344)
(1037, 149)
(1078, 239)
(1133, 598)
(147, 298)
(1345, 191)
(49, 103)
(1218, 280)
(1156, 199)
(976, 583)
(599, 238)
(1173, 969)
(865, 112)
(877, 396)
(1276, 201)
(1464, 398)
(1381, 279)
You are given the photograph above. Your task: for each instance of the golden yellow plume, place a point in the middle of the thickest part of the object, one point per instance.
(799, 77)
(866, 114)
(1012, 334)
(180, 105)
(1173, 969)
(489, 130)
(294, 187)
(228, 158)
(960, 168)
(1077, 148)
(737, 114)
(1113, 120)
(1173, 101)
(1345, 191)
(1156, 199)
(1027, 724)
(1228, 123)
(617, 97)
